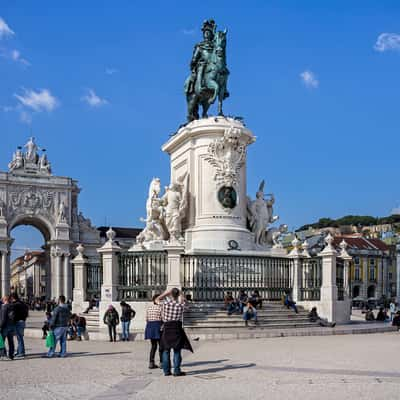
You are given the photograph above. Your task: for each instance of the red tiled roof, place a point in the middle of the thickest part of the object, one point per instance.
(361, 243)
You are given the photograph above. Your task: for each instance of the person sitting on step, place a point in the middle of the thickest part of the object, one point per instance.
(230, 303)
(242, 300)
(249, 312)
(255, 299)
(314, 317)
(289, 303)
(369, 315)
(382, 315)
(396, 320)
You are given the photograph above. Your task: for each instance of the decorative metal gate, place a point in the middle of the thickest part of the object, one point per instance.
(209, 277)
(340, 278)
(94, 280)
(310, 279)
(142, 274)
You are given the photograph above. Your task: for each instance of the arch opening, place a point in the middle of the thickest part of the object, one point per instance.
(30, 260)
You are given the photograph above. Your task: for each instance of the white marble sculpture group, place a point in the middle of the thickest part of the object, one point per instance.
(164, 214)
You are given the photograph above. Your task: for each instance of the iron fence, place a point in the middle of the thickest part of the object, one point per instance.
(310, 279)
(340, 278)
(141, 275)
(209, 277)
(94, 280)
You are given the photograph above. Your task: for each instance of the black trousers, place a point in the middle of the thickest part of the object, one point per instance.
(154, 344)
(10, 341)
(112, 332)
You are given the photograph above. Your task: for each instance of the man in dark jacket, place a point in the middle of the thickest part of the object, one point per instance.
(21, 314)
(127, 314)
(59, 325)
(7, 325)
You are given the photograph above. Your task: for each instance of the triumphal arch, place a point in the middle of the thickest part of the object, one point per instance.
(31, 195)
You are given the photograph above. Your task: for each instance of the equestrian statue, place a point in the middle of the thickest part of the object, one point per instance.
(209, 74)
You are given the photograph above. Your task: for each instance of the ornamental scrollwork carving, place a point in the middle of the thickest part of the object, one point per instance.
(227, 155)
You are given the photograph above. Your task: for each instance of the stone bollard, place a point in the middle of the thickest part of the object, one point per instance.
(80, 278)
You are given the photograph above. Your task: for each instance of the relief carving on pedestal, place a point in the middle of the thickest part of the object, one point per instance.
(227, 155)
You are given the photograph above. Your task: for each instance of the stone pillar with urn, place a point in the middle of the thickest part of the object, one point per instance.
(296, 257)
(80, 279)
(109, 253)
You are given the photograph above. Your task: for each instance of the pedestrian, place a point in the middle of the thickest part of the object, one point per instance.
(59, 325)
(7, 327)
(127, 314)
(111, 319)
(392, 308)
(46, 325)
(173, 336)
(21, 314)
(242, 300)
(153, 331)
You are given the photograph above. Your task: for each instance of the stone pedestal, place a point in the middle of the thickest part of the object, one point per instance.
(174, 265)
(213, 152)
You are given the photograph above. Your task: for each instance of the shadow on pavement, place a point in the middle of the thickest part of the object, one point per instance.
(220, 369)
(333, 371)
(74, 355)
(196, 363)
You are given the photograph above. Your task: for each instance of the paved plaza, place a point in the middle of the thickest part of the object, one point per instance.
(337, 367)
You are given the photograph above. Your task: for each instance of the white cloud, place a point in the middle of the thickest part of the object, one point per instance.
(42, 100)
(5, 30)
(111, 71)
(188, 31)
(93, 100)
(25, 117)
(7, 109)
(15, 56)
(387, 41)
(309, 79)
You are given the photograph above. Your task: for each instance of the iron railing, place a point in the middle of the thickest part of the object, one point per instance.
(209, 277)
(340, 278)
(310, 279)
(94, 280)
(142, 274)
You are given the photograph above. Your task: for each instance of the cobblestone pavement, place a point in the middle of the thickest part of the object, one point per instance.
(335, 367)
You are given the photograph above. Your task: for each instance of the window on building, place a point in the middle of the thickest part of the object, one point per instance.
(357, 273)
(357, 260)
(372, 276)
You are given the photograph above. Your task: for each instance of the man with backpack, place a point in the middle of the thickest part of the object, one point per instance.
(7, 326)
(21, 314)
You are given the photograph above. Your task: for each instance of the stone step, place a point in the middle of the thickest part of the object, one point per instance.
(259, 312)
(251, 324)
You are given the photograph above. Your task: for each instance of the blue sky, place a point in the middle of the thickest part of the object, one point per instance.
(100, 84)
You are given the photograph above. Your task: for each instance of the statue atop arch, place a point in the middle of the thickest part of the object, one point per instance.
(209, 73)
(30, 161)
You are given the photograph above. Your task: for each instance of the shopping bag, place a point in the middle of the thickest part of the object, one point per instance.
(50, 339)
(1, 342)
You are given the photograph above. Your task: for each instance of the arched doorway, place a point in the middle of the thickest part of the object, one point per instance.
(371, 292)
(356, 291)
(29, 263)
